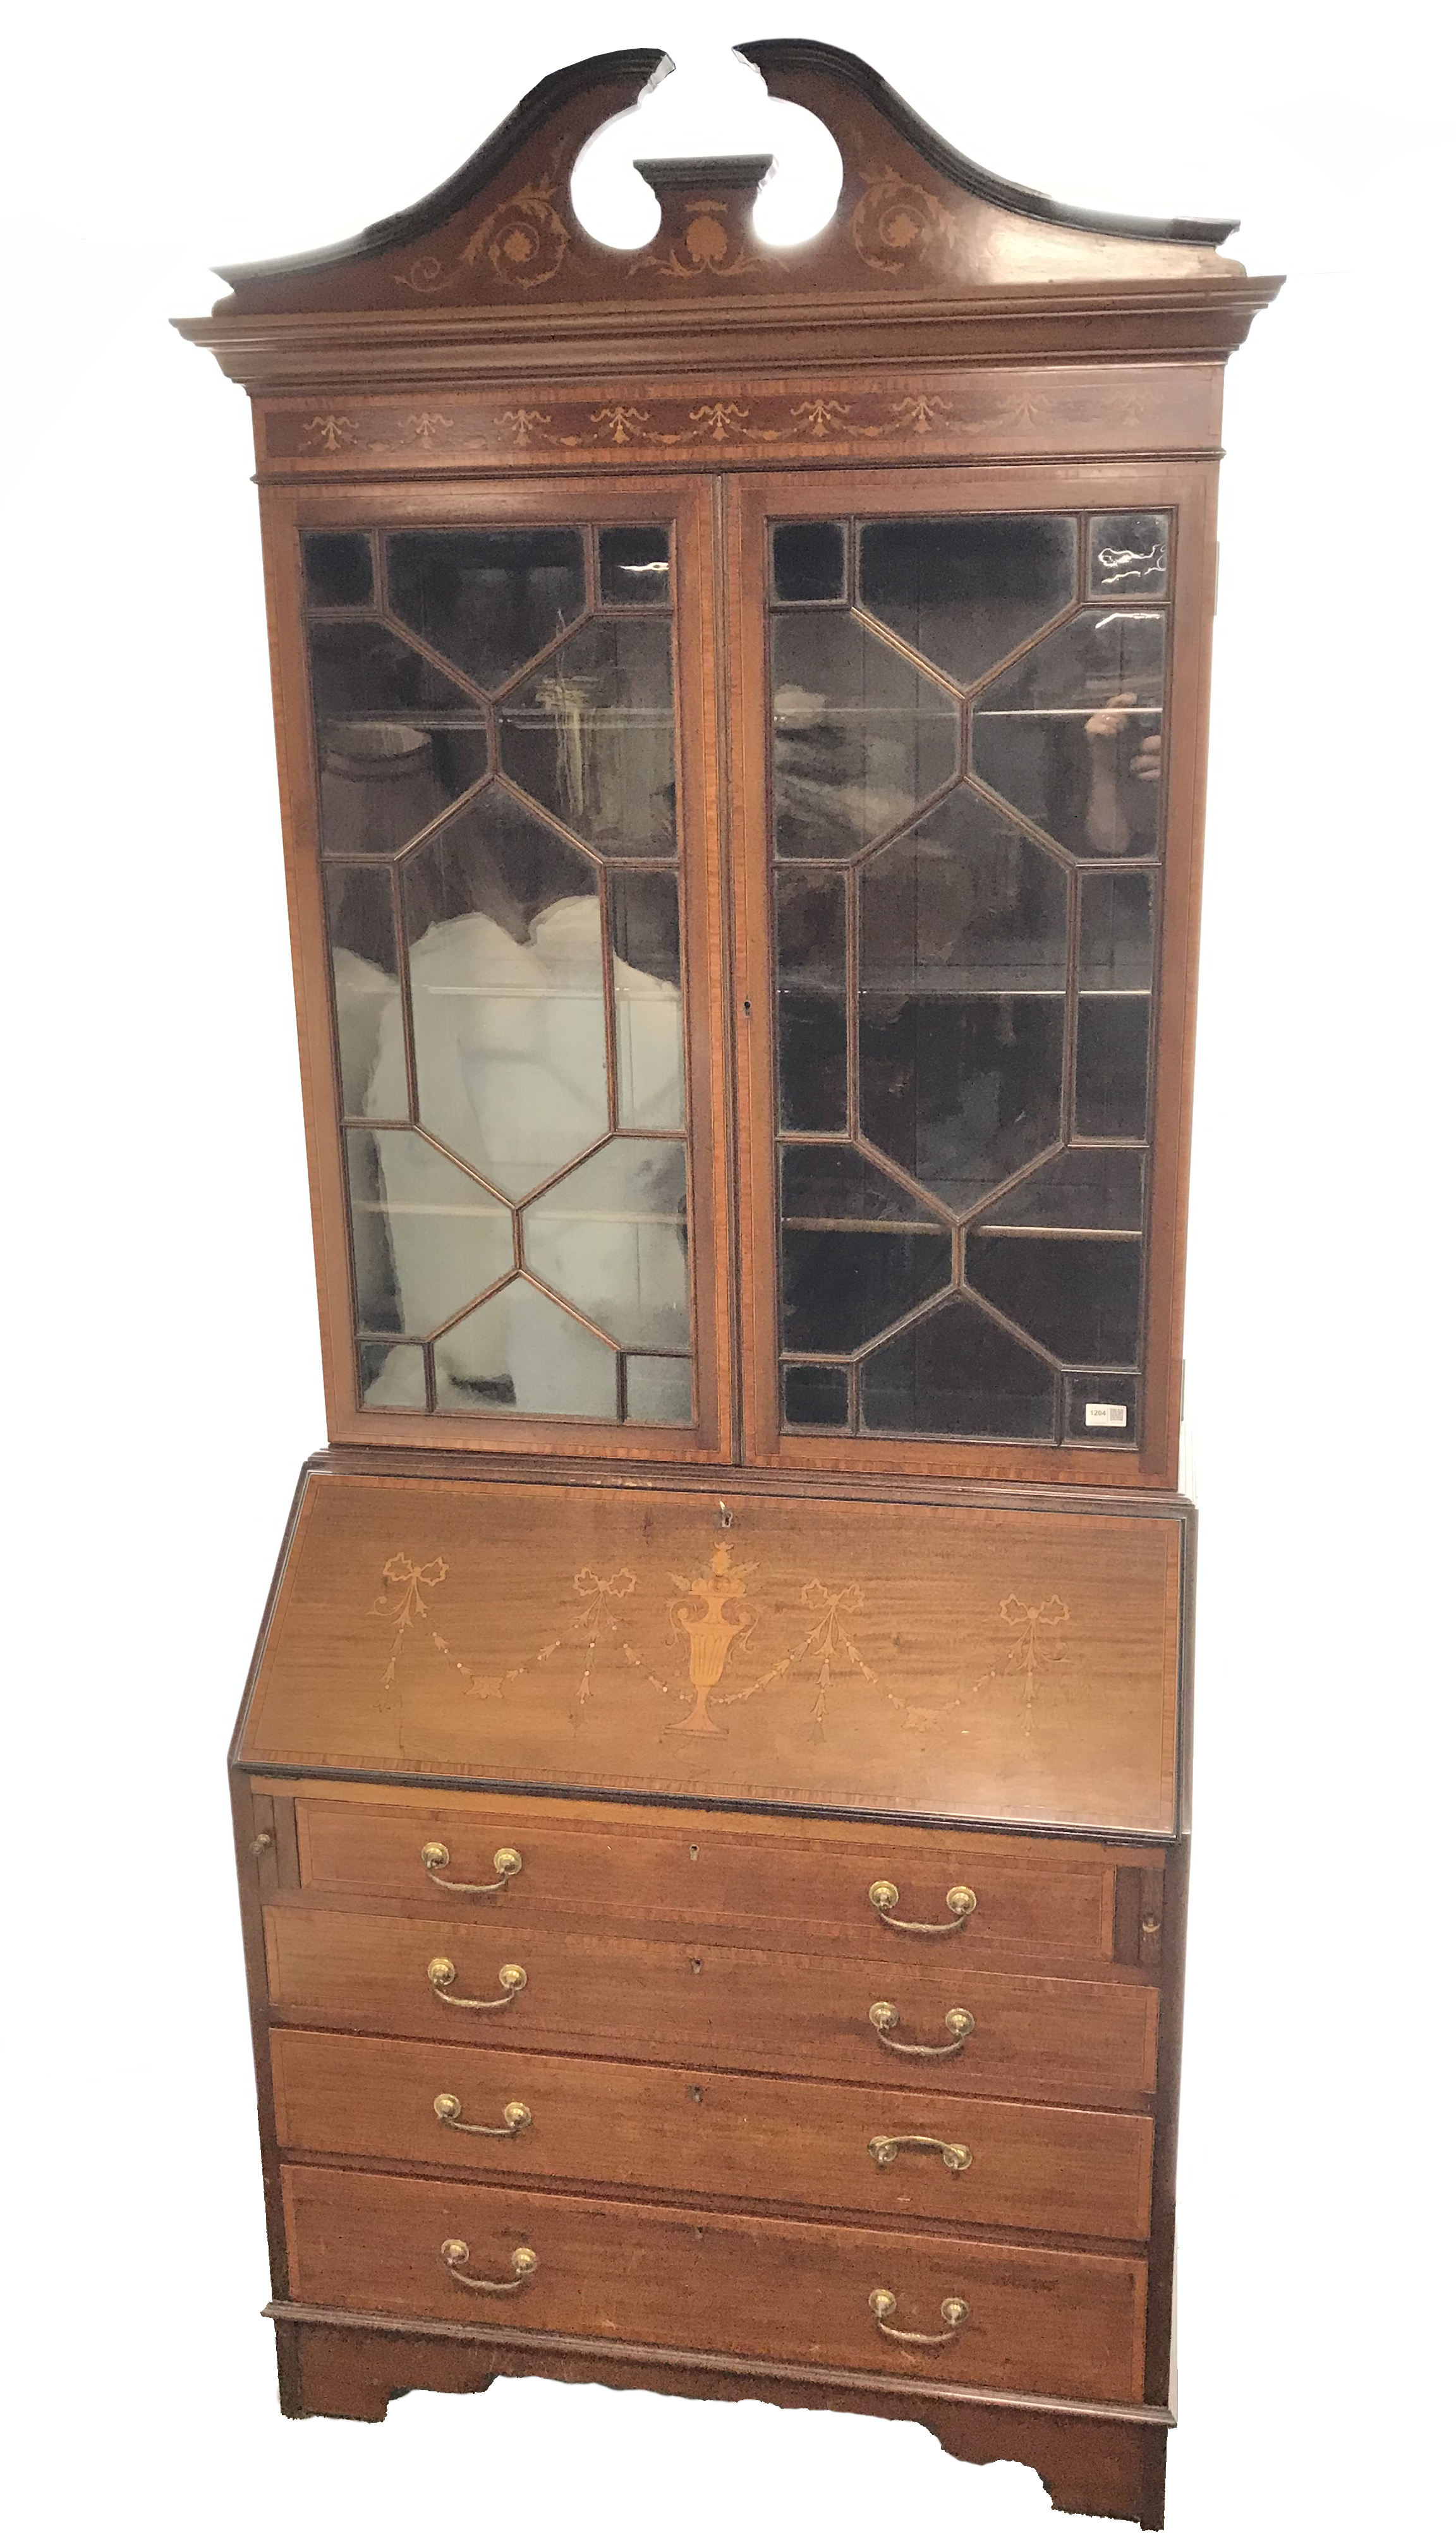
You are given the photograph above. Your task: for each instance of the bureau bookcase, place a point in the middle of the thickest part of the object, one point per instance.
(711, 1789)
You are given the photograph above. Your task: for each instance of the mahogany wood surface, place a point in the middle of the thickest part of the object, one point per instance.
(725, 420)
(653, 1869)
(871, 1658)
(736, 2008)
(735, 2284)
(337, 2362)
(712, 1683)
(706, 2137)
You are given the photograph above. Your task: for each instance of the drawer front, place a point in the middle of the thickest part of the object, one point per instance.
(793, 1882)
(693, 2133)
(731, 2008)
(1034, 2319)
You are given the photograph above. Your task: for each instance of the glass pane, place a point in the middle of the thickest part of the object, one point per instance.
(591, 737)
(1081, 1298)
(646, 973)
(506, 993)
(809, 562)
(1102, 1411)
(1112, 1068)
(1115, 935)
(636, 568)
(489, 600)
(520, 1353)
(813, 1067)
(816, 1393)
(964, 593)
(1072, 734)
(398, 742)
(659, 1391)
(612, 1236)
(966, 902)
(957, 1371)
(360, 903)
(392, 1376)
(1077, 1190)
(859, 737)
(338, 569)
(427, 1240)
(961, 1092)
(857, 1250)
(1129, 554)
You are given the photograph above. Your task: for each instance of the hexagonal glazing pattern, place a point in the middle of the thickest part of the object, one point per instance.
(956, 1372)
(398, 741)
(932, 1008)
(858, 1251)
(521, 1352)
(588, 734)
(489, 600)
(507, 993)
(860, 737)
(423, 1232)
(506, 1004)
(1072, 735)
(612, 1236)
(965, 593)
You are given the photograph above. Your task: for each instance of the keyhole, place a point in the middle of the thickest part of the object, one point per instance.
(692, 1849)
(694, 1964)
(695, 2096)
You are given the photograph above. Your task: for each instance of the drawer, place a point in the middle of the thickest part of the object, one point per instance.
(1060, 2324)
(794, 1881)
(731, 2008)
(692, 2135)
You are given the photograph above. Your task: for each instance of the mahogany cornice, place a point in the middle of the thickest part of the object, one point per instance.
(1200, 318)
(925, 259)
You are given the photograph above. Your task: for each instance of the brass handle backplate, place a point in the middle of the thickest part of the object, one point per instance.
(884, 2016)
(435, 1855)
(953, 2312)
(523, 2264)
(886, 2147)
(440, 1973)
(516, 2118)
(959, 1902)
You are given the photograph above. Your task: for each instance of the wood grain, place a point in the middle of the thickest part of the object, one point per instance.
(776, 2289)
(732, 2008)
(653, 1869)
(704, 2136)
(333, 2362)
(732, 421)
(871, 1657)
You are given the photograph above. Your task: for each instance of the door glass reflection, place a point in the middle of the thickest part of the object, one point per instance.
(497, 810)
(966, 762)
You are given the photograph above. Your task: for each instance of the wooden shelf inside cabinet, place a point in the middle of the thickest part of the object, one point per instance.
(740, 723)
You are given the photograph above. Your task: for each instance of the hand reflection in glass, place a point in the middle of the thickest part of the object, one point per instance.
(1109, 831)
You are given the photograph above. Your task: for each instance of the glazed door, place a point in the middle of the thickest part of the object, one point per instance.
(965, 825)
(501, 768)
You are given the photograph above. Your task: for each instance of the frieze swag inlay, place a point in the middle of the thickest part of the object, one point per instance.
(1153, 410)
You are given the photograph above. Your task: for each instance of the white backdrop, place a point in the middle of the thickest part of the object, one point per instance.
(163, 1346)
